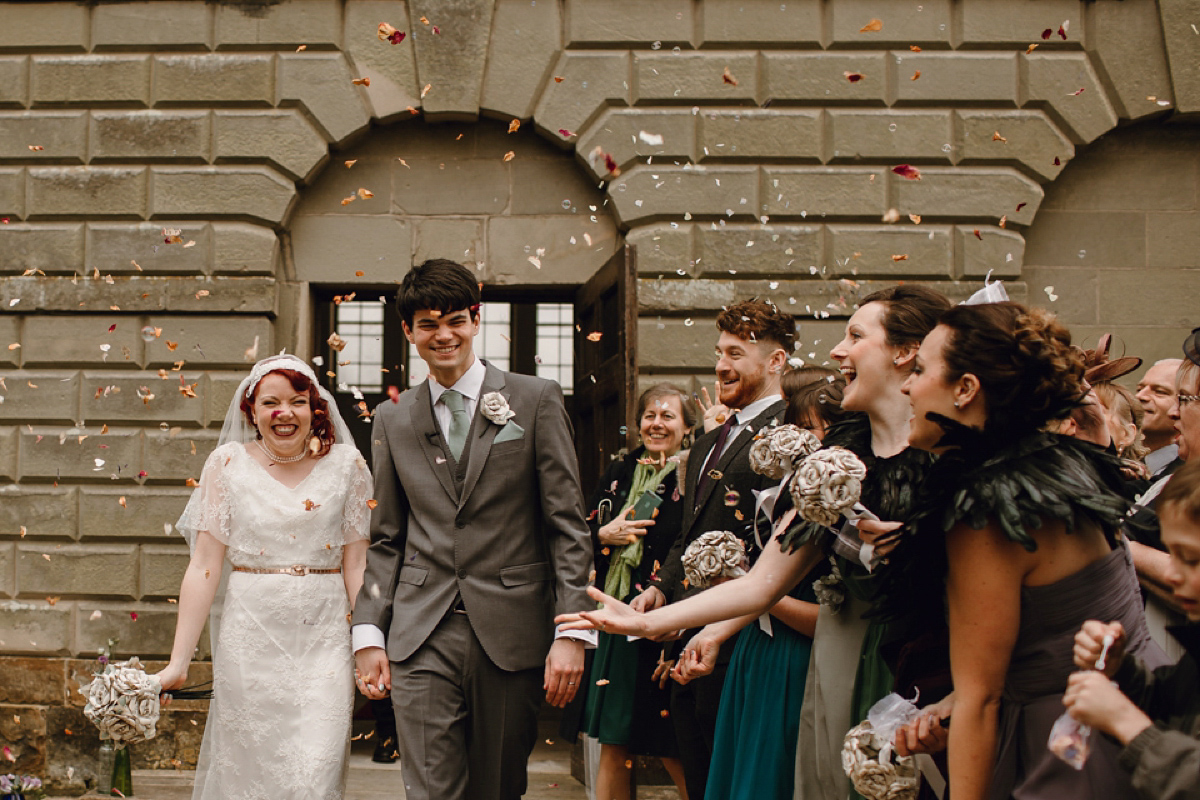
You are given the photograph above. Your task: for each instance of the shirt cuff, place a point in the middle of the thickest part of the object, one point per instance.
(587, 637)
(366, 635)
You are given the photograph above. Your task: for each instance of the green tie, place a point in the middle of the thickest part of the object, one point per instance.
(460, 423)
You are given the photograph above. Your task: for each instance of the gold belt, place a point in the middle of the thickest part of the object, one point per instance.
(299, 570)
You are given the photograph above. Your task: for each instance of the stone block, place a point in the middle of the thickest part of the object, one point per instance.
(35, 626)
(146, 513)
(10, 333)
(650, 191)
(960, 194)
(1066, 86)
(214, 341)
(693, 295)
(618, 133)
(1159, 296)
(877, 250)
(458, 239)
(666, 250)
(137, 293)
(9, 445)
(900, 136)
(77, 339)
(62, 134)
(924, 24)
(245, 79)
(87, 191)
(284, 139)
(14, 81)
(42, 511)
(994, 250)
(782, 250)
(552, 186)
(1112, 176)
(1126, 40)
(169, 25)
(221, 388)
(1183, 52)
(1075, 288)
(113, 247)
(1027, 137)
(322, 84)
(41, 396)
(426, 188)
(151, 634)
(792, 134)
(33, 681)
(761, 22)
(153, 135)
(12, 192)
(811, 78)
(90, 80)
(827, 191)
(331, 249)
(525, 40)
(1086, 239)
(177, 745)
(57, 453)
(253, 192)
(24, 733)
(162, 569)
(592, 22)
(590, 82)
(391, 68)
(951, 78)
(116, 397)
(1018, 23)
(244, 249)
(44, 26)
(677, 343)
(50, 248)
(8, 573)
(274, 26)
(1173, 239)
(686, 76)
(178, 457)
(568, 257)
(451, 62)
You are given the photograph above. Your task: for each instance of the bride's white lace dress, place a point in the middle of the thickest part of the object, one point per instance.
(283, 676)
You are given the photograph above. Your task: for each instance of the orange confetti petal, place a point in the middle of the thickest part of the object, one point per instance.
(899, 257)
(727, 76)
(361, 81)
(874, 26)
(510, 155)
(514, 126)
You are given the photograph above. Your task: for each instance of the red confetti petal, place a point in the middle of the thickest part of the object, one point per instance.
(394, 394)
(133, 615)
(1062, 31)
(1057, 163)
(566, 134)
(978, 235)
(112, 327)
(610, 163)
(854, 77)
(1020, 206)
(907, 172)
(1078, 91)
(397, 37)
(1046, 34)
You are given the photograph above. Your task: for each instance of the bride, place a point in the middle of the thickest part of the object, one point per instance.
(284, 499)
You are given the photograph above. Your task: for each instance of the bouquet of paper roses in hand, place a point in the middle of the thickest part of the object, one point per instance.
(778, 449)
(867, 753)
(123, 702)
(827, 486)
(714, 556)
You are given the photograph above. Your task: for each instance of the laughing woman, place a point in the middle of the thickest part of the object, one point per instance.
(1024, 526)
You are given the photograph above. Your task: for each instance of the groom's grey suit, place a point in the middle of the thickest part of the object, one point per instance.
(469, 562)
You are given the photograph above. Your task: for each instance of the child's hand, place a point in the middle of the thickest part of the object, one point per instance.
(1092, 699)
(1089, 644)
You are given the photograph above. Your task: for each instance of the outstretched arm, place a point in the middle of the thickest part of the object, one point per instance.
(196, 594)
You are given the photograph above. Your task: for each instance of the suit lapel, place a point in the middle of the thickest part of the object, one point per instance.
(480, 444)
(734, 448)
(700, 449)
(425, 428)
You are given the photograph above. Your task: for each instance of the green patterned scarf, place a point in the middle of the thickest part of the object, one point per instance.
(626, 558)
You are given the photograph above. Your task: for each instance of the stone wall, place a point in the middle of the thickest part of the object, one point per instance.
(756, 141)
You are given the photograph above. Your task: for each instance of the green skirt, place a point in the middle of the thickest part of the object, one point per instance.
(624, 706)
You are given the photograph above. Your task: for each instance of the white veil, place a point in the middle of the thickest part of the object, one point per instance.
(238, 429)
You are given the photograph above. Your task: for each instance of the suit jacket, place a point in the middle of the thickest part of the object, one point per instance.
(511, 540)
(722, 500)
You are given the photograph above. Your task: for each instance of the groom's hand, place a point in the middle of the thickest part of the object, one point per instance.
(564, 671)
(372, 673)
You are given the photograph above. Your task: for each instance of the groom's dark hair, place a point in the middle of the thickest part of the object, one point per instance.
(438, 285)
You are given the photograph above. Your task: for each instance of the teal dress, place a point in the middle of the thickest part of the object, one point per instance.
(754, 752)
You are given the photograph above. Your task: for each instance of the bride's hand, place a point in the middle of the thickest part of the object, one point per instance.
(615, 617)
(172, 676)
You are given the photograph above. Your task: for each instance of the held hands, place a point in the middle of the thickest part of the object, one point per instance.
(1089, 643)
(622, 530)
(715, 413)
(615, 617)
(1092, 699)
(926, 734)
(372, 674)
(564, 670)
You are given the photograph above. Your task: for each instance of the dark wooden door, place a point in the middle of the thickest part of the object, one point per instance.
(605, 365)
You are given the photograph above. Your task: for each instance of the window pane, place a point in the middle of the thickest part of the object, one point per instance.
(555, 341)
(360, 364)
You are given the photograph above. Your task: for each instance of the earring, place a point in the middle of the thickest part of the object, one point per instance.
(896, 361)
(956, 404)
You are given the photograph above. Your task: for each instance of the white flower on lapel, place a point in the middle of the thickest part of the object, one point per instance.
(495, 408)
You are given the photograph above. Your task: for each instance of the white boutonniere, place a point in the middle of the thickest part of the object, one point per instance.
(495, 407)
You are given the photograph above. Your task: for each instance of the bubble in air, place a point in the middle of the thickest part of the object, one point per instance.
(149, 334)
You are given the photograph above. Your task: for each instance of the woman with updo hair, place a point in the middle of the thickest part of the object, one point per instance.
(1024, 525)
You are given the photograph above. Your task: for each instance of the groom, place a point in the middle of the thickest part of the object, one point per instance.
(477, 542)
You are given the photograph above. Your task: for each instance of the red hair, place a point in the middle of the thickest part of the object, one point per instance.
(322, 426)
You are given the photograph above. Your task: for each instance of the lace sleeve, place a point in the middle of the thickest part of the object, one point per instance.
(208, 509)
(356, 518)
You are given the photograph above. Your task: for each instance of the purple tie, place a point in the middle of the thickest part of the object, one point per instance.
(713, 458)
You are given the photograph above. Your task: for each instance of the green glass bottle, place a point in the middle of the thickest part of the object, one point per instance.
(122, 776)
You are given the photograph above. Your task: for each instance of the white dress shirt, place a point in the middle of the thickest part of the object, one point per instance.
(745, 417)
(1156, 460)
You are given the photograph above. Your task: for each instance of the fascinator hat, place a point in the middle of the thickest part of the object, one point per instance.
(1191, 347)
(238, 429)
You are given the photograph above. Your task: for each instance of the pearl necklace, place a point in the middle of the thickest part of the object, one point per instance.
(278, 459)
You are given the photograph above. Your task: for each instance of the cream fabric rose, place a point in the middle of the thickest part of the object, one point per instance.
(713, 555)
(897, 780)
(777, 449)
(123, 702)
(827, 484)
(495, 408)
